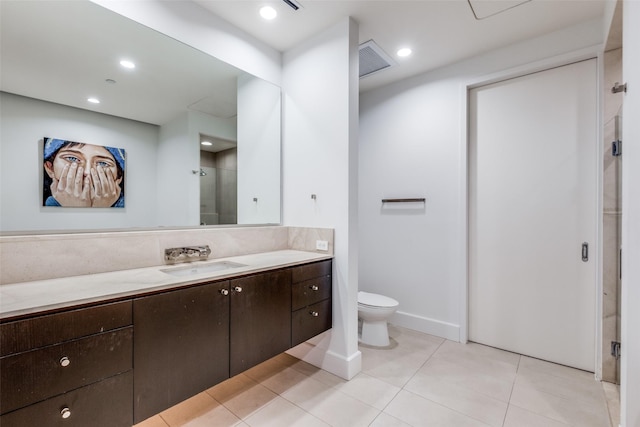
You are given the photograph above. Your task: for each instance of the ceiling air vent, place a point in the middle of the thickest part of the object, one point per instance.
(373, 59)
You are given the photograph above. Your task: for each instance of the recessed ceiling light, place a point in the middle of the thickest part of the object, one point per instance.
(267, 12)
(127, 64)
(206, 143)
(93, 100)
(405, 51)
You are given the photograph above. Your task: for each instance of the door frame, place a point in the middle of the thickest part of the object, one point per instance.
(592, 52)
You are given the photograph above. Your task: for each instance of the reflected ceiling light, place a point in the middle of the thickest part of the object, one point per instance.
(93, 100)
(267, 12)
(127, 64)
(405, 51)
(207, 143)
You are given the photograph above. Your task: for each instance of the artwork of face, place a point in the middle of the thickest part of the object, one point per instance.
(82, 175)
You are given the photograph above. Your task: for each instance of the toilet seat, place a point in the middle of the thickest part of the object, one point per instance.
(368, 299)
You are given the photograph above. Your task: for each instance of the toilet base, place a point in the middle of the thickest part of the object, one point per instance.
(374, 333)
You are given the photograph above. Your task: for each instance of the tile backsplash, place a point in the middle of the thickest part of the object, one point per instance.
(38, 257)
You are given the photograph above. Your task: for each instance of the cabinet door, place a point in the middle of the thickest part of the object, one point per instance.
(260, 318)
(181, 346)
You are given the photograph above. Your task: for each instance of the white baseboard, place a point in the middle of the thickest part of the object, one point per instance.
(317, 353)
(428, 326)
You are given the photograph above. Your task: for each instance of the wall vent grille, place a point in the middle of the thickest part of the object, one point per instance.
(373, 59)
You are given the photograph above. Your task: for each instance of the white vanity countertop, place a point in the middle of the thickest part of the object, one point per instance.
(25, 298)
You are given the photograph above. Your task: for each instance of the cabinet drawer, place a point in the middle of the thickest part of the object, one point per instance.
(108, 403)
(39, 374)
(310, 271)
(310, 292)
(28, 334)
(310, 321)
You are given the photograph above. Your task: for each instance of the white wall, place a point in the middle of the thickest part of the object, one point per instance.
(413, 144)
(24, 124)
(259, 123)
(175, 184)
(320, 157)
(194, 25)
(630, 362)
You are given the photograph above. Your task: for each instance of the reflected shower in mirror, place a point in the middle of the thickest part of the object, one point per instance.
(218, 181)
(57, 54)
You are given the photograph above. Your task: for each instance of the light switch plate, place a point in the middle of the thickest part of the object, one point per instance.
(322, 245)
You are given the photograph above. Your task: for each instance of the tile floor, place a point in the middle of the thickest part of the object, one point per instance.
(420, 381)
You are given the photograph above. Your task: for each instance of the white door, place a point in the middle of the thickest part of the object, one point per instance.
(532, 205)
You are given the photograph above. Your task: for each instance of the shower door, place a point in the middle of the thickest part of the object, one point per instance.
(533, 214)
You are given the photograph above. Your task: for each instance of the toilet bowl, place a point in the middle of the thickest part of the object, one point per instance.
(374, 310)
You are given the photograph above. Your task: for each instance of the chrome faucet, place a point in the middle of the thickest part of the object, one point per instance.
(187, 254)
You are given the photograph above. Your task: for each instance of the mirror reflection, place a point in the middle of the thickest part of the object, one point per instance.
(161, 108)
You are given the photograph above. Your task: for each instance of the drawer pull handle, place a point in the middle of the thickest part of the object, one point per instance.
(64, 362)
(313, 287)
(314, 313)
(237, 289)
(65, 412)
(224, 291)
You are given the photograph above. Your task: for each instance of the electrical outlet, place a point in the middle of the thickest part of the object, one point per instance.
(322, 245)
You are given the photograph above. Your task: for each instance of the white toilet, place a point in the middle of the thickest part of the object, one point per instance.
(374, 310)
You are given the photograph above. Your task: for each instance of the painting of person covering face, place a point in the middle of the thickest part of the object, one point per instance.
(82, 175)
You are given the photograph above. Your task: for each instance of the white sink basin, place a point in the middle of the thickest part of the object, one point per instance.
(202, 268)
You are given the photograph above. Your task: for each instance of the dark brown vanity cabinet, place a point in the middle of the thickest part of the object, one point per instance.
(117, 364)
(181, 345)
(71, 368)
(311, 301)
(260, 318)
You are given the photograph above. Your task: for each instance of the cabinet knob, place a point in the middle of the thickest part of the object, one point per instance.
(64, 362)
(313, 287)
(237, 289)
(65, 412)
(224, 291)
(314, 313)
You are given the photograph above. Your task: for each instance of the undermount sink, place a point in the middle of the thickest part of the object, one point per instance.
(202, 268)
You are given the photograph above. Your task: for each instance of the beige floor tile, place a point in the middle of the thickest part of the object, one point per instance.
(340, 410)
(280, 412)
(317, 373)
(284, 380)
(329, 404)
(488, 382)
(418, 411)
(369, 390)
(501, 365)
(473, 404)
(518, 417)
(571, 412)
(612, 395)
(393, 367)
(155, 421)
(445, 384)
(200, 410)
(545, 367)
(266, 369)
(413, 339)
(585, 390)
(386, 420)
(480, 350)
(242, 395)
(308, 392)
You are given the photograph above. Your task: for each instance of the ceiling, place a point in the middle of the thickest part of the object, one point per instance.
(440, 32)
(66, 51)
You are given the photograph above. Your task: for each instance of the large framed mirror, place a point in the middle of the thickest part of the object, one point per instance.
(162, 113)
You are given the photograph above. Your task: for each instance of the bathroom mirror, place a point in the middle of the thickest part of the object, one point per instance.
(58, 54)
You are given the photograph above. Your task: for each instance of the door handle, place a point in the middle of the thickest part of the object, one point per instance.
(585, 252)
